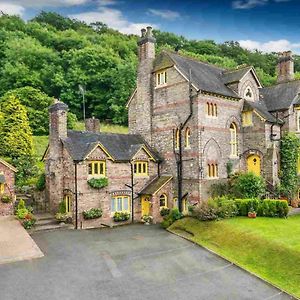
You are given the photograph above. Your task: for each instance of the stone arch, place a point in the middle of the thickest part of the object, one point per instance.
(212, 144)
(235, 120)
(246, 154)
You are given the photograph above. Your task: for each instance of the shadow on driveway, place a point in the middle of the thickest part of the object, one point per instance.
(129, 262)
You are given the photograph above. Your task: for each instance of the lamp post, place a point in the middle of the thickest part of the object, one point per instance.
(82, 92)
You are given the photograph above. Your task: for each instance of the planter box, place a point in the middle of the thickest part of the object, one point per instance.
(252, 215)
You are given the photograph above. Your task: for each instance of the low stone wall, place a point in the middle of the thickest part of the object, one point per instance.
(6, 209)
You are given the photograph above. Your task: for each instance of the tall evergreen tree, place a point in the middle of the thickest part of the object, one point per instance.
(15, 132)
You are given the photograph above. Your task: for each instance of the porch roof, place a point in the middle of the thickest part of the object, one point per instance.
(155, 185)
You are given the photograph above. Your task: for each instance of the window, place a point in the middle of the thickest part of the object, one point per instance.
(177, 133)
(185, 208)
(212, 170)
(187, 138)
(68, 202)
(163, 201)
(248, 93)
(161, 78)
(97, 168)
(175, 202)
(298, 120)
(247, 118)
(211, 109)
(140, 168)
(120, 203)
(1, 188)
(233, 140)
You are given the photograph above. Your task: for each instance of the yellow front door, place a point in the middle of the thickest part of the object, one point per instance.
(145, 205)
(253, 164)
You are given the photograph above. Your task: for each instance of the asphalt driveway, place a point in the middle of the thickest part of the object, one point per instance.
(129, 262)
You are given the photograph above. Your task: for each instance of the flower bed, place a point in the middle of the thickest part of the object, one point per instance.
(93, 213)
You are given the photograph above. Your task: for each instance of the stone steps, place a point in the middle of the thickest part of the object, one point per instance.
(46, 222)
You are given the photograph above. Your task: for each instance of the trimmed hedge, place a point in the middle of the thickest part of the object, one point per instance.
(263, 208)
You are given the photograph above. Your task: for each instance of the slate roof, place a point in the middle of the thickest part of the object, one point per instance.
(261, 109)
(155, 185)
(122, 147)
(280, 96)
(205, 76)
(235, 75)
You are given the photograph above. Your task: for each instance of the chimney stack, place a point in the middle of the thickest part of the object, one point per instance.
(285, 67)
(146, 44)
(92, 125)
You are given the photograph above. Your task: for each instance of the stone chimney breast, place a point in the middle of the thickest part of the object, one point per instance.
(92, 125)
(285, 67)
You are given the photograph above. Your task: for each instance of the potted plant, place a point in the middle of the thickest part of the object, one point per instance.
(61, 218)
(251, 213)
(147, 219)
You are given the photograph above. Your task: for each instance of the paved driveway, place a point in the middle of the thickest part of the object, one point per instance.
(129, 262)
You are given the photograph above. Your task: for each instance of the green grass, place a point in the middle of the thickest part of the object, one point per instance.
(40, 142)
(268, 247)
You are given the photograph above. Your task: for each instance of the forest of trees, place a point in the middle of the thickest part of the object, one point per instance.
(50, 55)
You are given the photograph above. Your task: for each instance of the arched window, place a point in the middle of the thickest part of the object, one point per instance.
(163, 201)
(177, 138)
(211, 109)
(208, 111)
(215, 110)
(233, 139)
(175, 202)
(68, 203)
(187, 138)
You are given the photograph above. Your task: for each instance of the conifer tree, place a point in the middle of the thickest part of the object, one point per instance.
(16, 135)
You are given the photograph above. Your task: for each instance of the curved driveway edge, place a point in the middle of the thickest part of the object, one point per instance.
(15, 243)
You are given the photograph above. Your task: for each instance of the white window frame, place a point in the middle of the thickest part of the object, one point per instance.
(161, 78)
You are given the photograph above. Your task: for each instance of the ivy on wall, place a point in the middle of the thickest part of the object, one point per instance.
(289, 154)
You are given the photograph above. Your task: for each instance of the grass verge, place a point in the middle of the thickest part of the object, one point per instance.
(267, 247)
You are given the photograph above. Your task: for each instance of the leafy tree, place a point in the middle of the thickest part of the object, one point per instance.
(37, 104)
(16, 135)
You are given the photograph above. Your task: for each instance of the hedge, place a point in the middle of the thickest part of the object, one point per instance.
(263, 208)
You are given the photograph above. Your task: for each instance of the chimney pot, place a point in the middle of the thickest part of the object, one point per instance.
(149, 31)
(92, 125)
(143, 32)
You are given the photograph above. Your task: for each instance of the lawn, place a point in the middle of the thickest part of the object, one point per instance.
(40, 142)
(268, 247)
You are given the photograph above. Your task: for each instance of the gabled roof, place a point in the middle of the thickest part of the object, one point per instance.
(261, 109)
(280, 96)
(8, 165)
(204, 76)
(237, 75)
(121, 147)
(155, 185)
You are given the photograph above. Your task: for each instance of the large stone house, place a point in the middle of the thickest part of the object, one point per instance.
(7, 186)
(189, 123)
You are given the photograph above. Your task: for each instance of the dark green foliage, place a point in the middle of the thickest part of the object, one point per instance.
(41, 183)
(92, 213)
(248, 185)
(6, 199)
(227, 209)
(173, 216)
(62, 207)
(121, 216)
(220, 189)
(164, 211)
(263, 208)
(229, 168)
(98, 183)
(289, 153)
(29, 222)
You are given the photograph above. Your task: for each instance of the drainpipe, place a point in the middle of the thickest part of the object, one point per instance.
(132, 193)
(76, 196)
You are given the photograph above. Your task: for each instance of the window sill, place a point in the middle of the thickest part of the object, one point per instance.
(141, 175)
(234, 157)
(187, 148)
(161, 86)
(90, 176)
(212, 178)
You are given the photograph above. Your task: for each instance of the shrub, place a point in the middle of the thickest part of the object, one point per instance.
(227, 209)
(164, 211)
(92, 213)
(6, 199)
(167, 222)
(41, 182)
(248, 185)
(21, 204)
(62, 207)
(29, 221)
(98, 183)
(147, 218)
(169, 219)
(244, 205)
(206, 211)
(22, 213)
(121, 216)
(219, 189)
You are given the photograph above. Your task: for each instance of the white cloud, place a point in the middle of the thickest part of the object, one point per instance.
(11, 9)
(165, 13)
(113, 18)
(270, 46)
(247, 4)
(47, 3)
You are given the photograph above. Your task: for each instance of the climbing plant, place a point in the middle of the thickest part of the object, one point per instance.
(289, 154)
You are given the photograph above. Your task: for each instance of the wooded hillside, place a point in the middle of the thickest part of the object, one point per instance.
(54, 54)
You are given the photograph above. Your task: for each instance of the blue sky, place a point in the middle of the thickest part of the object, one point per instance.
(267, 25)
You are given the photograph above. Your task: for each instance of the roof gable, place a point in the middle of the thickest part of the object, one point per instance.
(6, 164)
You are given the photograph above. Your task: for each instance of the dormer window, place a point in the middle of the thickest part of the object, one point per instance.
(161, 78)
(248, 93)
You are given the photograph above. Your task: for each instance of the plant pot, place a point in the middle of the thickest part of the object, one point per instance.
(252, 215)
(147, 223)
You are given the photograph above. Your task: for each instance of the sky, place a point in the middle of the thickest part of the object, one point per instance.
(266, 25)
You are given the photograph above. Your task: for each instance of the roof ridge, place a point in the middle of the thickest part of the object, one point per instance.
(194, 59)
(237, 69)
(279, 83)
